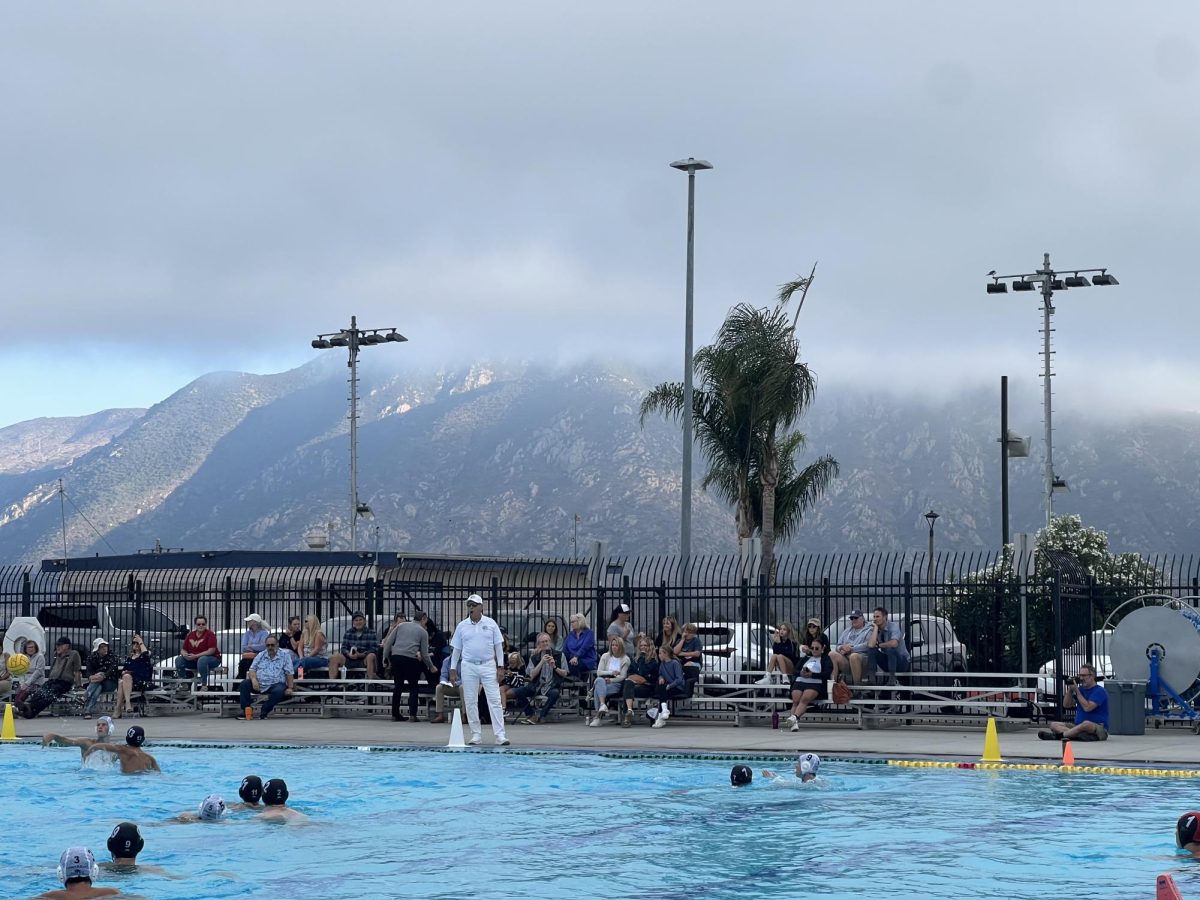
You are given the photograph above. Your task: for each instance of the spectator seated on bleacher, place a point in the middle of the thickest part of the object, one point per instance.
(546, 671)
(811, 682)
(270, 673)
(200, 653)
(254, 642)
(103, 673)
(691, 654)
(313, 652)
(35, 677)
(785, 654)
(852, 656)
(291, 638)
(360, 649)
(641, 679)
(64, 675)
(514, 677)
(610, 679)
(888, 650)
(671, 684)
(136, 675)
(580, 648)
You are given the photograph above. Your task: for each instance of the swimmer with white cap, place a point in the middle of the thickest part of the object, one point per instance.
(104, 731)
(807, 766)
(212, 808)
(133, 758)
(77, 870)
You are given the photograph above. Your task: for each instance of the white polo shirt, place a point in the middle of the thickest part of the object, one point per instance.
(478, 642)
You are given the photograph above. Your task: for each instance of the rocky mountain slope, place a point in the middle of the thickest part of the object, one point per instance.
(500, 460)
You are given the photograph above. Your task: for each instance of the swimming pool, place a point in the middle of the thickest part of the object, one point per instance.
(566, 825)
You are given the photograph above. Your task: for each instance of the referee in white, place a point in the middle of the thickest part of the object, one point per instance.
(478, 660)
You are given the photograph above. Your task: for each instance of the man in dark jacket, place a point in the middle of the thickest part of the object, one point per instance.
(546, 670)
(64, 675)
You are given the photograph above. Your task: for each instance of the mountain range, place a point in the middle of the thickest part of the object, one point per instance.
(501, 459)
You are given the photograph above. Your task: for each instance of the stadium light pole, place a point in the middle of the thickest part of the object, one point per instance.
(691, 166)
(1048, 281)
(353, 338)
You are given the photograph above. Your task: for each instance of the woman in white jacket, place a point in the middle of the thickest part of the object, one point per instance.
(610, 679)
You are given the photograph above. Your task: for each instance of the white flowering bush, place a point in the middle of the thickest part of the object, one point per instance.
(985, 605)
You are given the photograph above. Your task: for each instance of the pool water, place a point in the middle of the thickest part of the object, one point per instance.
(566, 825)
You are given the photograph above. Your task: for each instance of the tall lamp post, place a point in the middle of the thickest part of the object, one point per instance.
(1049, 281)
(931, 517)
(1011, 447)
(691, 166)
(353, 338)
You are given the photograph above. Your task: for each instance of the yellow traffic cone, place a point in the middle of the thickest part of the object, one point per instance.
(991, 744)
(8, 732)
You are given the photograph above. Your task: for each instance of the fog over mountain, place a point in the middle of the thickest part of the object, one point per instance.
(500, 459)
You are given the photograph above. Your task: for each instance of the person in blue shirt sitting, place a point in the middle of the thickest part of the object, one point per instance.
(1090, 702)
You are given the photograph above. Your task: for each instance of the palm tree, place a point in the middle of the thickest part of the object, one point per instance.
(752, 389)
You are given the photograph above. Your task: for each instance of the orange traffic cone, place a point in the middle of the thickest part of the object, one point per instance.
(1068, 754)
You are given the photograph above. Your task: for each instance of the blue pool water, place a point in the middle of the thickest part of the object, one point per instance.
(566, 825)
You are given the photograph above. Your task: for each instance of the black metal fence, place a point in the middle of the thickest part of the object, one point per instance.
(1006, 626)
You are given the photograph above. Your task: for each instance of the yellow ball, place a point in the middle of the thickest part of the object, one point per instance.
(18, 664)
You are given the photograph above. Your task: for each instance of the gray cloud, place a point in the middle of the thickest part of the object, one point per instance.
(197, 187)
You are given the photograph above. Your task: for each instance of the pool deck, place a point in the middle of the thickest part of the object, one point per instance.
(1173, 746)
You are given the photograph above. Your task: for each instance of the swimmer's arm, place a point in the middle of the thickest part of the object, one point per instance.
(57, 740)
(767, 773)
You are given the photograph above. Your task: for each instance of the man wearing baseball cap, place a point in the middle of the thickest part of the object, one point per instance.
(853, 650)
(478, 661)
(77, 870)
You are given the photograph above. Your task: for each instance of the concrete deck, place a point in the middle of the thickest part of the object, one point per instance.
(1169, 746)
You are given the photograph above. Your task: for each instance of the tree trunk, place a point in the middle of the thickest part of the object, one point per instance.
(744, 517)
(769, 477)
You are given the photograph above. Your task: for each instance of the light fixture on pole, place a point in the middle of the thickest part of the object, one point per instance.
(930, 517)
(1048, 281)
(353, 338)
(691, 166)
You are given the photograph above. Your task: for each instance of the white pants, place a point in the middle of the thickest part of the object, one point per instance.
(474, 675)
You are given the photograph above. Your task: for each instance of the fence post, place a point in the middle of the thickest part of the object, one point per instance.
(1091, 618)
(227, 602)
(763, 613)
(627, 592)
(137, 606)
(997, 630)
(825, 605)
(26, 595)
(1056, 603)
(494, 599)
(744, 600)
(317, 597)
(907, 607)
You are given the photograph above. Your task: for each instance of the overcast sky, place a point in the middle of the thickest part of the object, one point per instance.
(194, 186)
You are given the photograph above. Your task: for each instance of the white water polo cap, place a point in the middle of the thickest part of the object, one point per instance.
(77, 862)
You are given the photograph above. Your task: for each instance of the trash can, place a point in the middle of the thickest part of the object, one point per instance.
(1126, 706)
